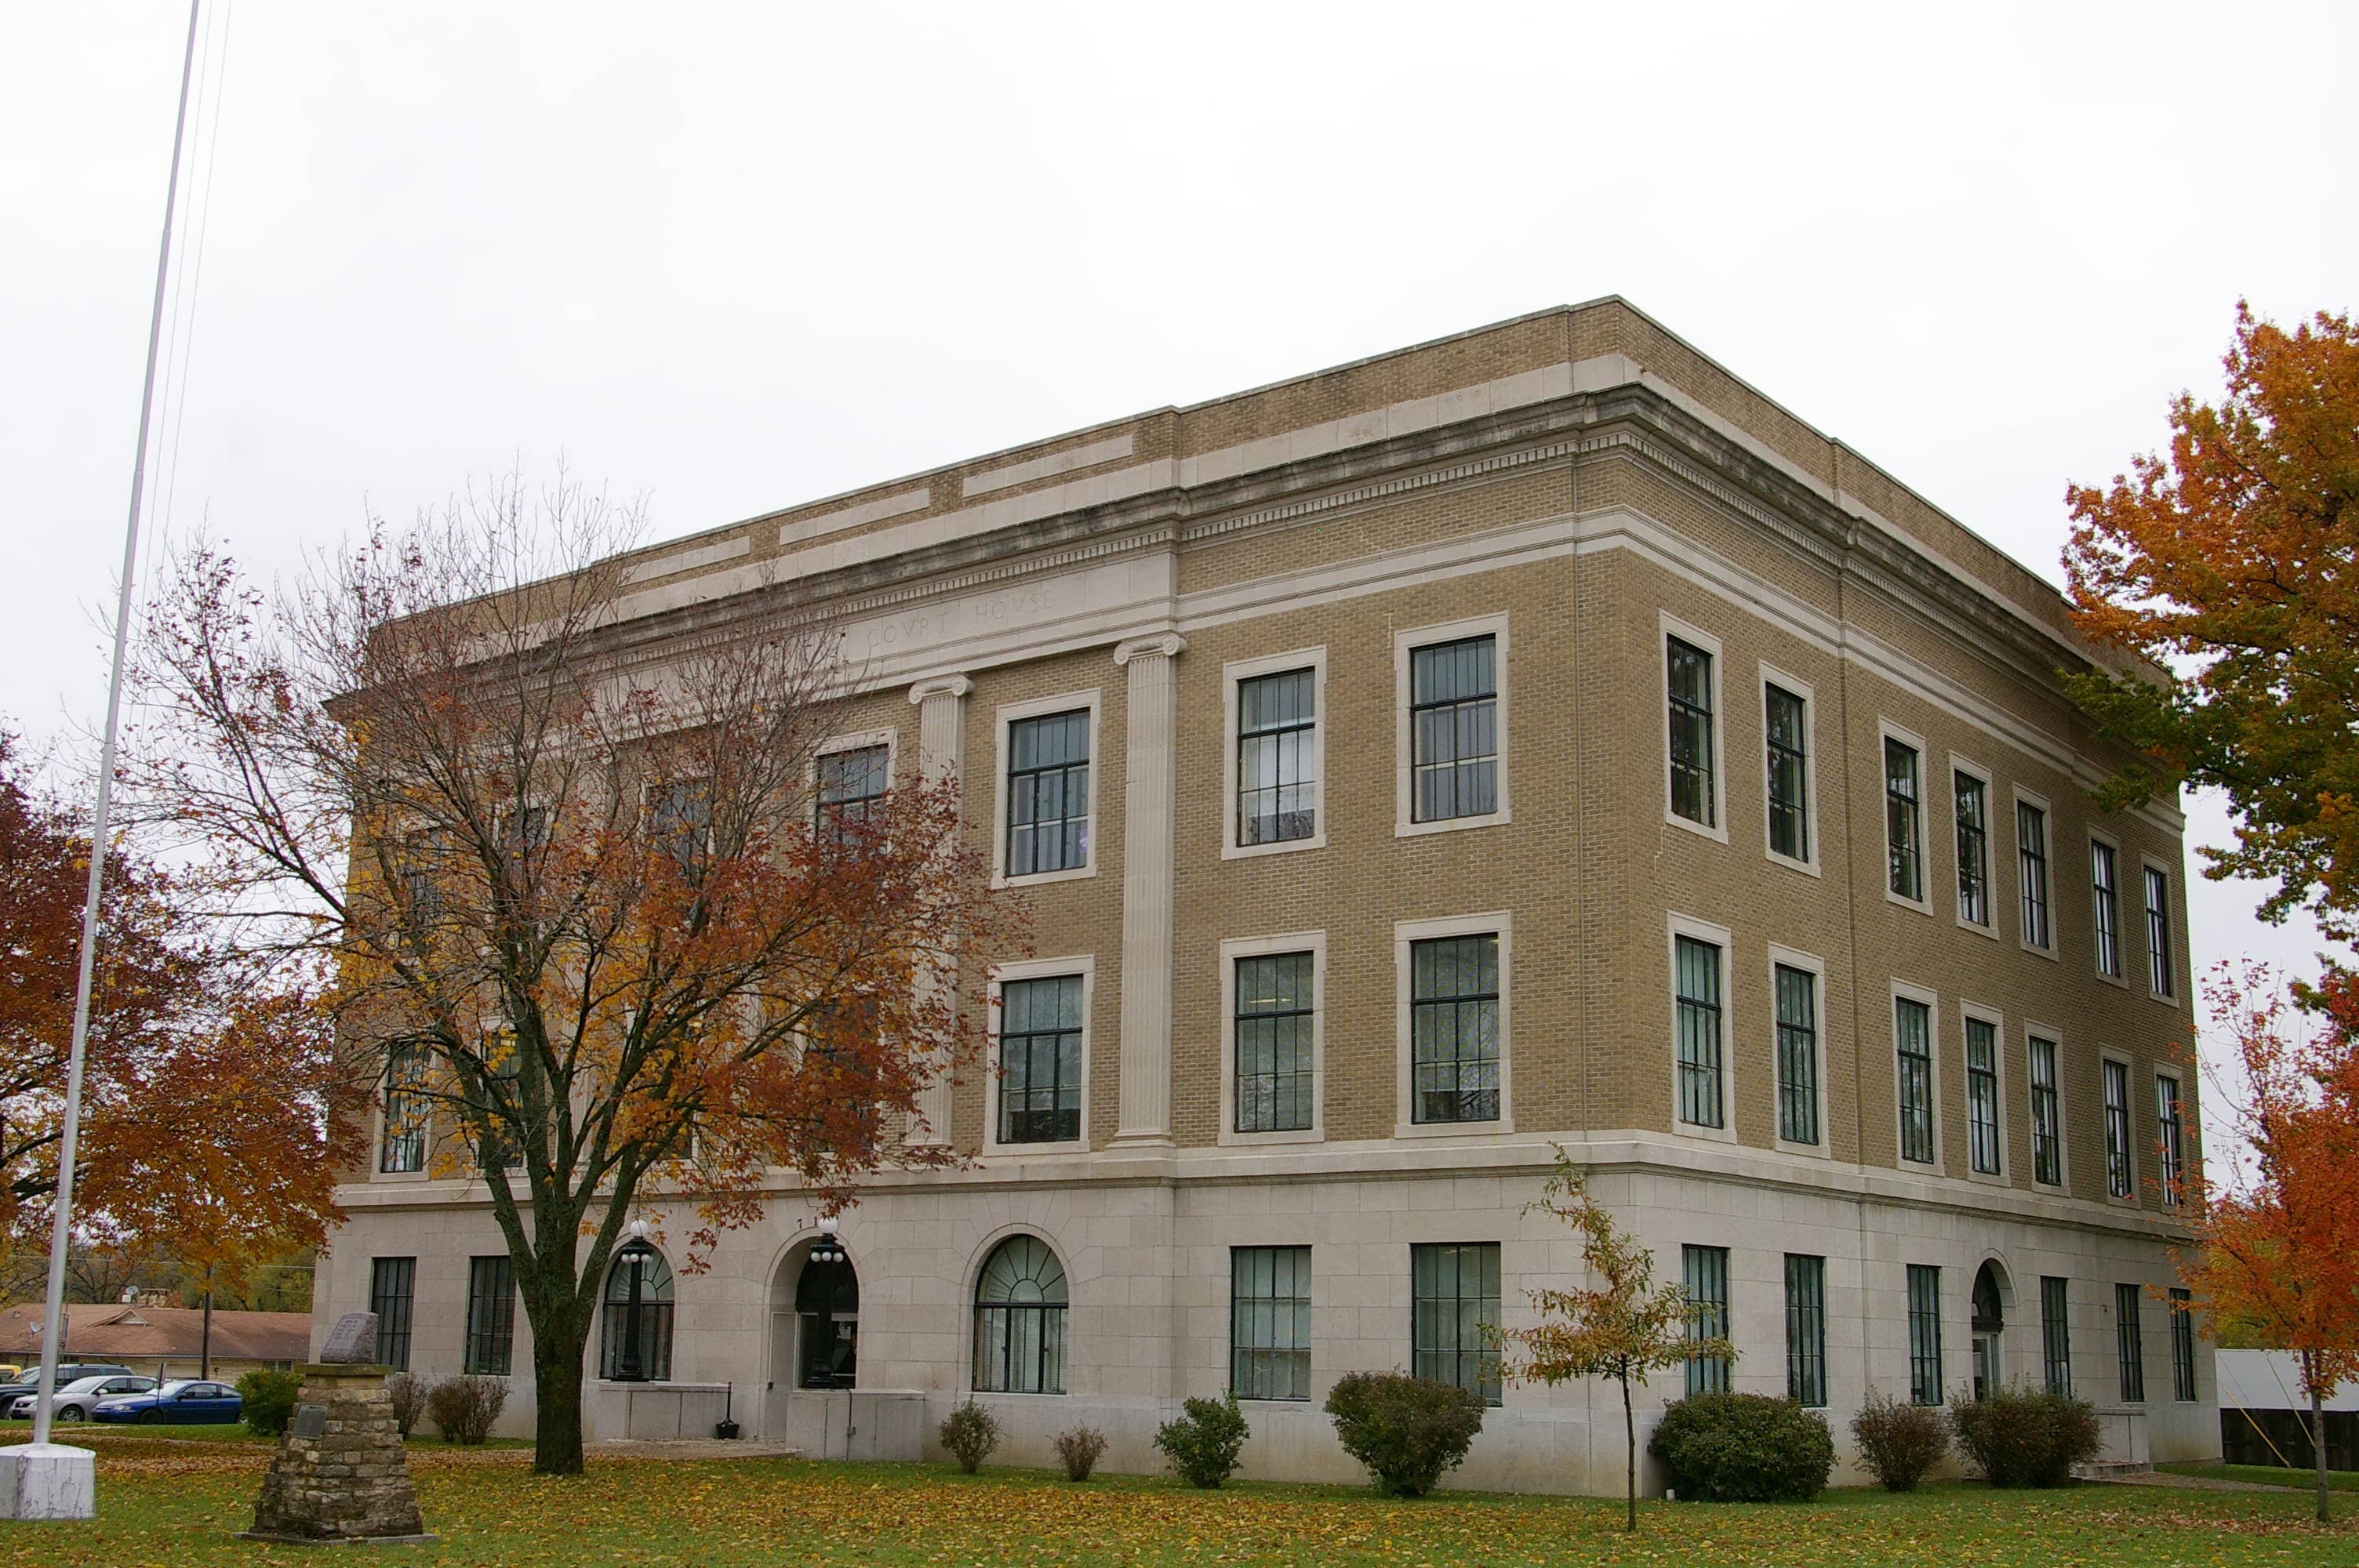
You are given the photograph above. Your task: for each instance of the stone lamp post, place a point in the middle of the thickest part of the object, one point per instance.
(340, 1473)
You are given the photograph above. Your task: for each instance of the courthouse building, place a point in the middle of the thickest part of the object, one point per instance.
(1532, 737)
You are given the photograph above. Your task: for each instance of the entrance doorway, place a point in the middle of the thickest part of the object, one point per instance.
(827, 1313)
(1989, 1324)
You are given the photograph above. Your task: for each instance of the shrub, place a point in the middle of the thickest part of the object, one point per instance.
(1204, 1443)
(1743, 1448)
(464, 1409)
(269, 1400)
(1899, 1443)
(2027, 1437)
(1408, 1431)
(970, 1433)
(407, 1391)
(1080, 1449)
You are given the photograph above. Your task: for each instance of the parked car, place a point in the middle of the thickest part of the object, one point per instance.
(182, 1401)
(28, 1381)
(76, 1400)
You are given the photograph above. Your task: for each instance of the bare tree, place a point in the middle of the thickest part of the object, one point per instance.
(604, 950)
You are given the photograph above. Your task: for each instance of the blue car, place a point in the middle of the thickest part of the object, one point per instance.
(184, 1401)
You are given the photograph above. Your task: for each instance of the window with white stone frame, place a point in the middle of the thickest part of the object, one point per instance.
(1270, 992)
(1020, 1305)
(1277, 789)
(1904, 818)
(1690, 679)
(1699, 1023)
(1039, 1048)
(1985, 1136)
(1786, 705)
(1455, 980)
(1452, 725)
(1970, 794)
(2046, 1112)
(2120, 1174)
(1800, 1082)
(2157, 931)
(2031, 873)
(2170, 1139)
(1048, 793)
(2106, 907)
(1912, 1039)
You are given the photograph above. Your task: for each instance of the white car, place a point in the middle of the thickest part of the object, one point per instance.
(75, 1399)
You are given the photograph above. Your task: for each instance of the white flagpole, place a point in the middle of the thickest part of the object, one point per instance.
(61, 1225)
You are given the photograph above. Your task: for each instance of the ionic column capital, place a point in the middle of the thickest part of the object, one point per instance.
(1161, 645)
(938, 686)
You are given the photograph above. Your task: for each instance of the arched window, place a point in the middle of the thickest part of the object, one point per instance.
(1988, 1321)
(637, 1343)
(827, 1300)
(1019, 1320)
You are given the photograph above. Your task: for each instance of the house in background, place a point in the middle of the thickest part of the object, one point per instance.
(166, 1341)
(2264, 1415)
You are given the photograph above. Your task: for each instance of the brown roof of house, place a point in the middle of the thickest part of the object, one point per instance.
(129, 1333)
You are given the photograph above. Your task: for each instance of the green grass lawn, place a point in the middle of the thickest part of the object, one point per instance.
(162, 1502)
(2269, 1475)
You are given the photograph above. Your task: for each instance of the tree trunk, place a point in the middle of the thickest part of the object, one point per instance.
(1630, 1458)
(2318, 1447)
(557, 1396)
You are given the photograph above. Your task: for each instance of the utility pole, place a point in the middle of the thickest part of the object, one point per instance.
(51, 1480)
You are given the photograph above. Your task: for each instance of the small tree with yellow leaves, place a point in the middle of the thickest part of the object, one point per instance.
(1622, 1326)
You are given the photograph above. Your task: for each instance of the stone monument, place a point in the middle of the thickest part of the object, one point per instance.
(340, 1474)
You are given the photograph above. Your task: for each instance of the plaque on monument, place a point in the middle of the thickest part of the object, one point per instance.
(310, 1420)
(353, 1340)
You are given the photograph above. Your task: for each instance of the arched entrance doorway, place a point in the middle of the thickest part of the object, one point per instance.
(827, 1313)
(1989, 1322)
(814, 1352)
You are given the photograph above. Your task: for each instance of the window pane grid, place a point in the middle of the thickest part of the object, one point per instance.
(1974, 849)
(1904, 832)
(2130, 1342)
(1689, 670)
(2047, 1138)
(2103, 910)
(2182, 1344)
(1019, 1320)
(1698, 1007)
(1455, 1029)
(1703, 1272)
(636, 1346)
(1982, 1096)
(393, 1293)
(2158, 931)
(1924, 1334)
(491, 1315)
(1806, 1329)
(1269, 1322)
(1048, 794)
(1788, 727)
(1798, 1056)
(404, 1147)
(2172, 1136)
(1040, 1060)
(2117, 1129)
(850, 785)
(1454, 730)
(1273, 1033)
(2031, 867)
(1913, 1032)
(1277, 726)
(1454, 1299)
(2056, 1334)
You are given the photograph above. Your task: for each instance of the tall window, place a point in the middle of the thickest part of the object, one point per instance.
(1048, 793)
(1453, 710)
(2171, 1137)
(2130, 1339)
(1040, 1060)
(404, 1145)
(491, 1315)
(1019, 1320)
(1454, 1299)
(1973, 797)
(2117, 1129)
(2046, 1124)
(1278, 757)
(1697, 983)
(1786, 720)
(2031, 870)
(2182, 1344)
(1269, 1322)
(2056, 1334)
(851, 783)
(393, 1293)
(1904, 821)
(1924, 1334)
(1703, 1271)
(1273, 1034)
(1693, 753)
(1982, 1096)
(1454, 1028)
(2158, 931)
(1912, 1030)
(1806, 1329)
(1798, 1055)
(636, 1347)
(2104, 909)
(682, 824)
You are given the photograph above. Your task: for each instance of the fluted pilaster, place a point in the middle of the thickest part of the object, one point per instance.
(1149, 785)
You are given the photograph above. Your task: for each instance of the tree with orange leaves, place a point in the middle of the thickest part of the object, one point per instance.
(210, 1095)
(605, 937)
(2274, 1241)
(2235, 562)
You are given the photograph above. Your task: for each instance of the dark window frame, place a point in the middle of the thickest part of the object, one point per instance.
(2031, 874)
(1439, 1091)
(1291, 1028)
(1904, 820)
(2056, 1334)
(1703, 1275)
(2129, 1341)
(1925, 1334)
(2047, 1110)
(2159, 978)
(1013, 1368)
(1919, 1130)
(1466, 781)
(636, 1326)
(1798, 1053)
(2182, 1344)
(1788, 772)
(1700, 1032)
(2121, 1169)
(401, 1142)
(1269, 1330)
(393, 1296)
(1690, 680)
(1034, 842)
(2171, 1137)
(1282, 748)
(1021, 1052)
(1974, 845)
(1985, 1143)
(491, 1315)
(1806, 1329)
(1438, 1349)
(2104, 906)
(846, 784)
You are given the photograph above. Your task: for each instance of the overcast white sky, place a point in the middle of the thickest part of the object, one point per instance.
(739, 256)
